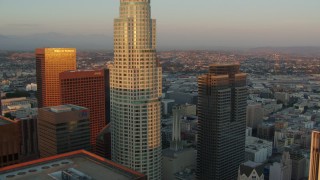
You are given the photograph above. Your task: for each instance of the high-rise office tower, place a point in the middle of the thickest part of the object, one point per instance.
(314, 169)
(136, 90)
(49, 63)
(62, 129)
(222, 122)
(86, 88)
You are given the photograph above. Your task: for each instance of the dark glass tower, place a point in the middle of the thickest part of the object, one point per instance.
(222, 122)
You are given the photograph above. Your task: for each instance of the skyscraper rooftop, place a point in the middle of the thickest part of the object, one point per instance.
(76, 164)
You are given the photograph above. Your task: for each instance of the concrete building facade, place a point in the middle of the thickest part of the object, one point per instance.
(254, 115)
(86, 88)
(281, 170)
(62, 129)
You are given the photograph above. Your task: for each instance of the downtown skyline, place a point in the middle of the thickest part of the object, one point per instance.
(195, 25)
(127, 111)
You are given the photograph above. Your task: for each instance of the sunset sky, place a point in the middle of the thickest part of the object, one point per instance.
(180, 23)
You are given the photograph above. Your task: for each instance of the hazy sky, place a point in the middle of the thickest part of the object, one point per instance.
(180, 23)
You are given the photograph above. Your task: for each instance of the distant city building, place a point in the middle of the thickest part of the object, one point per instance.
(167, 105)
(251, 171)
(281, 170)
(19, 106)
(283, 97)
(136, 90)
(254, 115)
(279, 125)
(222, 122)
(177, 159)
(257, 150)
(266, 131)
(314, 169)
(31, 87)
(179, 112)
(298, 165)
(62, 129)
(20, 110)
(281, 140)
(183, 97)
(10, 142)
(70, 166)
(248, 131)
(49, 63)
(87, 88)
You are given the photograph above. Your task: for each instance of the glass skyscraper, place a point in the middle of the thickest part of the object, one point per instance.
(50, 62)
(221, 107)
(136, 89)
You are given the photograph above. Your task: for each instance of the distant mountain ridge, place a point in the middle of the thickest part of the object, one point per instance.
(31, 42)
(100, 42)
(297, 50)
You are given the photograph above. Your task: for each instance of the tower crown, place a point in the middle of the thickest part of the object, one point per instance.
(224, 69)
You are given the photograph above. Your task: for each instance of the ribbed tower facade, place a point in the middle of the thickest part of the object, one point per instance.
(314, 168)
(136, 87)
(221, 107)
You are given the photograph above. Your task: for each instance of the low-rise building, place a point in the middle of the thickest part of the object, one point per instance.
(251, 171)
(281, 170)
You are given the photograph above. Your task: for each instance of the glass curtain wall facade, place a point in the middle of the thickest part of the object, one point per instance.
(50, 62)
(136, 89)
(221, 107)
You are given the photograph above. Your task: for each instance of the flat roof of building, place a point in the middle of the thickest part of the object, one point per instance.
(252, 164)
(77, 74)
(13, 99)
(78, 162)
(247, 168)
(4, 121)
(223, 65)
(64, 108)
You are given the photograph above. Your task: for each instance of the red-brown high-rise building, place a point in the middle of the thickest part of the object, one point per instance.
(10, 142)
(49, 63)
(87, 88)
(314, 168)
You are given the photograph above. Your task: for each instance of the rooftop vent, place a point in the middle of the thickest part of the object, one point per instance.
(73, 174)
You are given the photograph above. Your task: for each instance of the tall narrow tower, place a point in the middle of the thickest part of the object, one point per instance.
(222, 106)
(136, 90)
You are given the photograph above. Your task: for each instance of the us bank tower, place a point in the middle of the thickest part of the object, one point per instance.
(136, 88)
